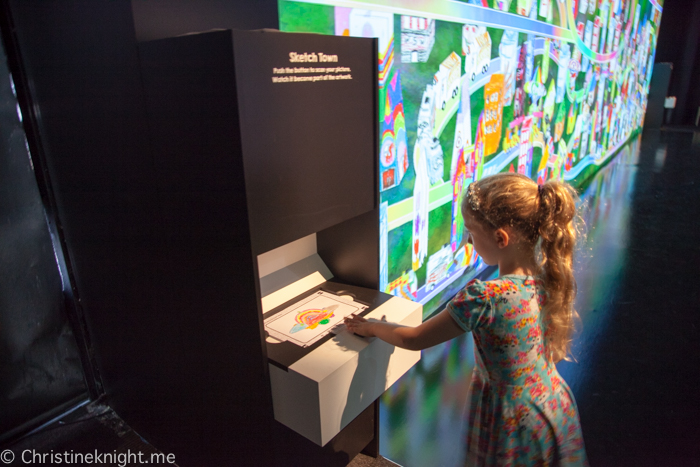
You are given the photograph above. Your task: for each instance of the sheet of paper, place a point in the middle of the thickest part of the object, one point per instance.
(311, 318)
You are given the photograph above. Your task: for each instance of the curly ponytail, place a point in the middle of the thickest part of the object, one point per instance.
(544, 216)
(557, 208)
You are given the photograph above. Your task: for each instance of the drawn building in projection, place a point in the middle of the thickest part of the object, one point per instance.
(493, 113)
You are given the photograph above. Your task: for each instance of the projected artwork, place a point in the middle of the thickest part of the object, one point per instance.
(546, 88)
(311, 318)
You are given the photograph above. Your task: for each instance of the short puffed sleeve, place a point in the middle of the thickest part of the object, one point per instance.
(471, 307)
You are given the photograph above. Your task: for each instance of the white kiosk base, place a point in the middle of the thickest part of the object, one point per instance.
(320, 393)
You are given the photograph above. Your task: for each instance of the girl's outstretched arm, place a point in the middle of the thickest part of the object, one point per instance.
(437, 329)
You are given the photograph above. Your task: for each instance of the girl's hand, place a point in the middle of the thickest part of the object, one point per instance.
(437, 329)
(359, 325)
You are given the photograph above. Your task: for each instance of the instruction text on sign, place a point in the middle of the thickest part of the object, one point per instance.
(299, 74)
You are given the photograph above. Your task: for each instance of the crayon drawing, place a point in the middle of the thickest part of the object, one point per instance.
(311, 318)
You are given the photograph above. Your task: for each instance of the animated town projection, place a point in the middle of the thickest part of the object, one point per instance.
(552, 92)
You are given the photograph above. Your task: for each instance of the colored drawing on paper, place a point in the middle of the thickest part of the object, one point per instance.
(309, 319)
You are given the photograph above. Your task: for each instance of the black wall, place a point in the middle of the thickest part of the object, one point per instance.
(679, 43)
(40, 364)
(85, 101)
(157, 19)
(82, 77)
(658, 90)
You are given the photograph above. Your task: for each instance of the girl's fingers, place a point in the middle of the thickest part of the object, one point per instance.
(354, 319)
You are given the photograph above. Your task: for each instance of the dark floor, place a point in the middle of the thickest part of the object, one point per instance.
(94, 428)
(638, 391)
(97, 428)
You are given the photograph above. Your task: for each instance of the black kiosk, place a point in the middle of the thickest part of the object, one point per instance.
(265, 162)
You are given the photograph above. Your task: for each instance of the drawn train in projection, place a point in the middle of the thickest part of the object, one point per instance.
(552, 93)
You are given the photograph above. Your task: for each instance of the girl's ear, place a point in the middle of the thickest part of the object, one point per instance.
(502, 238)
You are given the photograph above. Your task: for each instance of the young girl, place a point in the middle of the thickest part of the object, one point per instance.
(521, 411)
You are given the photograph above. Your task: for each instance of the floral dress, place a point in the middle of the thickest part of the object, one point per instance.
(521, 413)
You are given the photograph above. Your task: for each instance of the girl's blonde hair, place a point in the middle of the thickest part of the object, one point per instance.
(544, 217)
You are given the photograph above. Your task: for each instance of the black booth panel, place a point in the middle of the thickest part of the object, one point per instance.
(209, 381)
(39, 359)
(309, 147)
(202, 135)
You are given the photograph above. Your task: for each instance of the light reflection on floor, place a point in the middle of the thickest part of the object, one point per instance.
(601, 259)
(422, 421)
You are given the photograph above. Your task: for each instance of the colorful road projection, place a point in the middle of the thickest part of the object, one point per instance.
(547, 88)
